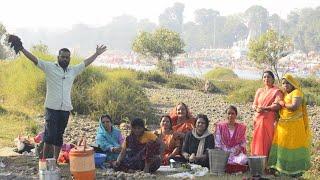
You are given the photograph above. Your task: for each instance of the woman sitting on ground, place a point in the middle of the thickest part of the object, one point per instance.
(182, 120)
(109, 138)
(140, 150)
(197, 142)
(230, 136)
(171, 141)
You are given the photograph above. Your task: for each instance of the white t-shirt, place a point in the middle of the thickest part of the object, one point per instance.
(59, 84)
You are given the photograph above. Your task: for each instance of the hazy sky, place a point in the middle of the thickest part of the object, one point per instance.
(57, 14)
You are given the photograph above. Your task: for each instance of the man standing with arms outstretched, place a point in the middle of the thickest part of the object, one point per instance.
(59, 81)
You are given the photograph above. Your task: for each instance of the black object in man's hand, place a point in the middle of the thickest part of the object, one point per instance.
(15, 42)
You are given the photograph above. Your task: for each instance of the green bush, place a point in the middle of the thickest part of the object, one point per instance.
(119, 73)
(97, 90)
(121, 99)
(226, 87)
(23, 85)
(82, 84)
(116, 92)
(153, 75)
(182, 82)
(311, 88)
(312, 98)
(238, 91)
(220, 73)
(165, 66)
(2, 110)
(245, 93)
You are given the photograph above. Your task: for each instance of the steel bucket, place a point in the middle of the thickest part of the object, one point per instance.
(217, 161)
(257, 165)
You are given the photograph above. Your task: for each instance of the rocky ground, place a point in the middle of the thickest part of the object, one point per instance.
(163, 101)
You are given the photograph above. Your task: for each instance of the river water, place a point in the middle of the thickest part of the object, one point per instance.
(190, 71)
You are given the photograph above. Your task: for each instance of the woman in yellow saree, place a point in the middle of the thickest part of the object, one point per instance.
(290, 150)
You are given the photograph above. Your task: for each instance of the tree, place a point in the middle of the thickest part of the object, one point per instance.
(3, 51)
(121, 32)
(192, 36)
(209, 21)
(146, 25)
(304, 27)
(233, 30)
(257, 19)
(276, 23)
(41, 47)
(268, 49)
(162, 44)
(172, 17)
(309, 28)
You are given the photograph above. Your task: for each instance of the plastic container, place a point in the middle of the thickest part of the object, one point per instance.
(99, 159)
(218, 160)
(82, 165)
(257, 165)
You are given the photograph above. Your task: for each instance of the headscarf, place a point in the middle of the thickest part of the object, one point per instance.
(102, 129)
(296, 84)
(107, 139)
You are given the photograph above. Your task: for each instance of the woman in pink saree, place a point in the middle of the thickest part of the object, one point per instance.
(230, 136)
(266, 107)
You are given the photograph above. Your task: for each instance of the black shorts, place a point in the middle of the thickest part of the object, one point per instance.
(56, 122)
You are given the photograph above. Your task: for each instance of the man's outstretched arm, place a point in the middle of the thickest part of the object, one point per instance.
(17, 45)
(99, 50)
(30, 56)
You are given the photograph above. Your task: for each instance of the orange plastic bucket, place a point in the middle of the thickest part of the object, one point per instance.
(82, 165)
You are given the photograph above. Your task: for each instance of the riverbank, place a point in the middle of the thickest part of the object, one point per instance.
(163, 100)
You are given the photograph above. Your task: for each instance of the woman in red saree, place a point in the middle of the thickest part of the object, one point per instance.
(182, 120)
(266, 107)
(170, 140)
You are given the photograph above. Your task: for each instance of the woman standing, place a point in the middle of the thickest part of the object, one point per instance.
(171, 141)
(265, 117)
(290, 151)
(197, 142)
(231, 137)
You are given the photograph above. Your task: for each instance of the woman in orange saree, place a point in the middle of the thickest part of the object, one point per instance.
(266, 107)
(170, 140)
(182, 120)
